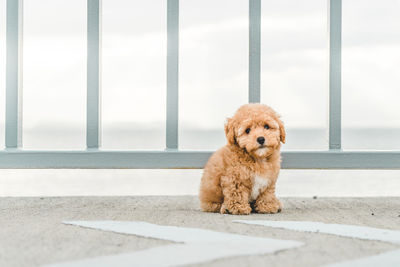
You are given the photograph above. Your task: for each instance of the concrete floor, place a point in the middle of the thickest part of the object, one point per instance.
(32, 234)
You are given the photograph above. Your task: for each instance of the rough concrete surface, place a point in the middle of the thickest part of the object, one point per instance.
(32, 233)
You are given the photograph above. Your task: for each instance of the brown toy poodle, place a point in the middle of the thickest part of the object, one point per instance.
(241, 176)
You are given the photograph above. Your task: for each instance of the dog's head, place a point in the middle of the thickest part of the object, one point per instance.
(256, 128)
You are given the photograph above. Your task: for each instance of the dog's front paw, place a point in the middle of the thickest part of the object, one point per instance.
(236, 209)
(273, 206)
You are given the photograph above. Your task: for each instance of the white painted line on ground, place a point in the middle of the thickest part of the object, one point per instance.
(387, 259)
(198, 245)
(177, 234)
(361, 232)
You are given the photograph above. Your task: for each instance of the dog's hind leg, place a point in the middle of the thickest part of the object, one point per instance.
(210, 197)
(210, 206)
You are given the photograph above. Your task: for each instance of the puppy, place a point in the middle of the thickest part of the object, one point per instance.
(241, 176)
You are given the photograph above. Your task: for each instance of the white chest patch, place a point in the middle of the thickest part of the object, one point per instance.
(259, 184)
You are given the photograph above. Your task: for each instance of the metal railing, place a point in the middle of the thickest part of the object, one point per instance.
(93, 157)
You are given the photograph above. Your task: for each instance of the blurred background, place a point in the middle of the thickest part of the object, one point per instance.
(213, 72)
(213, 79)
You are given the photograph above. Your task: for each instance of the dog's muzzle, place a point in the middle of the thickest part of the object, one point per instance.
(261, 140)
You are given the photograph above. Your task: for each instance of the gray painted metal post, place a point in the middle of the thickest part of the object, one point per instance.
(14, 75)
(254, 50)
(172, 74)
(335, 72)
(93, 113)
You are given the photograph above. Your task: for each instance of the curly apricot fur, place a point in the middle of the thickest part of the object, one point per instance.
(229, 175)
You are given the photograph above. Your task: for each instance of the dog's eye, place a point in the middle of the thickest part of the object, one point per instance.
(247, 130)
(266, 126)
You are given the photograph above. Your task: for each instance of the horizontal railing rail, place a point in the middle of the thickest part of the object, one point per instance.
(13, 156)
(89, 159)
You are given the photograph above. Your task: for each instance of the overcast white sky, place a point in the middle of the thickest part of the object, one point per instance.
(213, 62)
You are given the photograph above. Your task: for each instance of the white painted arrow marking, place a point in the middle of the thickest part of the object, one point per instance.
(388, 259)
(198, 246)
(361, 232)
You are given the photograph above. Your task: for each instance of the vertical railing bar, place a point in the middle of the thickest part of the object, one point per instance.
(13, 129)
(172, 74)
(93, 112)
(335, 72)
(254, 50)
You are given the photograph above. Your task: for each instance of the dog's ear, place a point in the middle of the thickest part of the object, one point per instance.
(281, 130)
(230, 131)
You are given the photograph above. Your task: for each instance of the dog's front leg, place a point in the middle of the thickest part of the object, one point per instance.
(267, 202)
(236, 196)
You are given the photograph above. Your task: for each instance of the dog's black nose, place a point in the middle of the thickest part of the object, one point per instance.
(261, 140)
